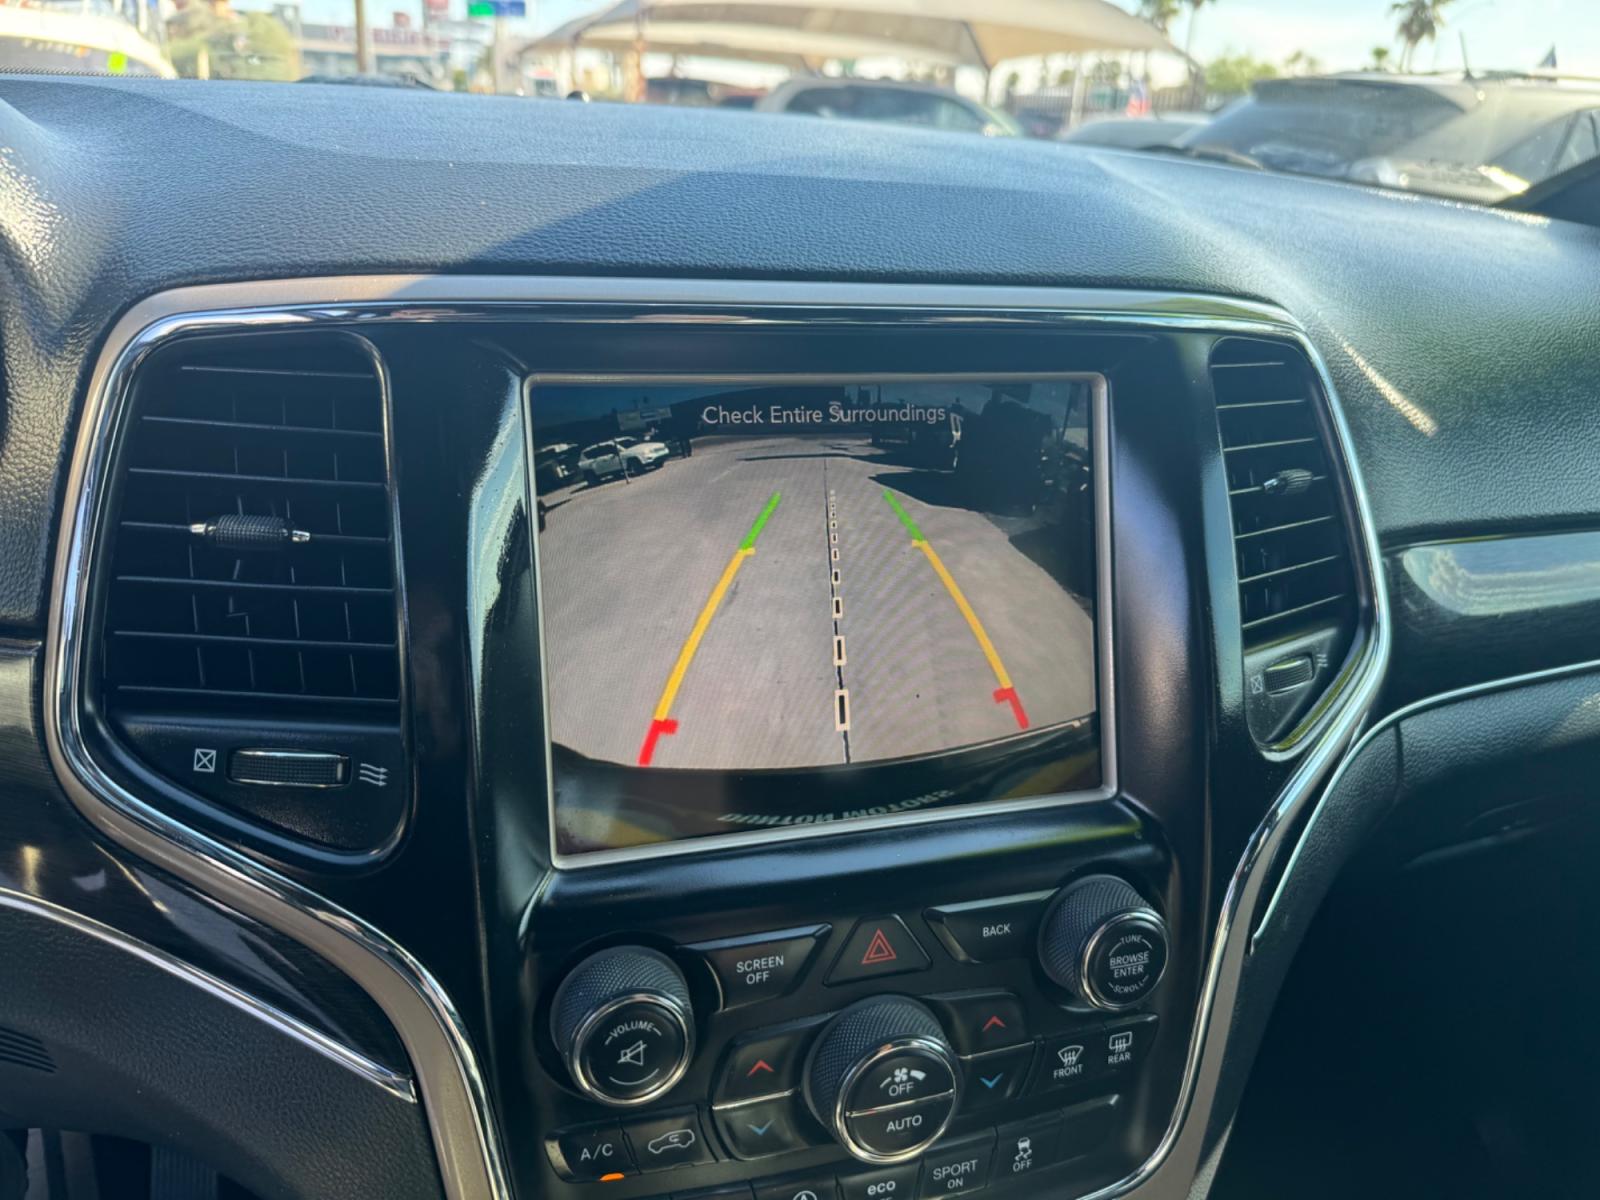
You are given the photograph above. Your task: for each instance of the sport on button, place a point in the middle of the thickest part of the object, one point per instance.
(878, 947)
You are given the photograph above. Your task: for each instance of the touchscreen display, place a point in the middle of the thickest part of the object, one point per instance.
(784, 604)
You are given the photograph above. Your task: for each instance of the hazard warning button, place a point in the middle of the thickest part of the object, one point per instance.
(878, 946)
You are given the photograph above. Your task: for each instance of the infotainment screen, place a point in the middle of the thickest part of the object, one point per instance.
(778, 604)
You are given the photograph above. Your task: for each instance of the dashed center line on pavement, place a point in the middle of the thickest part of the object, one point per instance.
(841, 696)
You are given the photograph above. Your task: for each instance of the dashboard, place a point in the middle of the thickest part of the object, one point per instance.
(817, 685)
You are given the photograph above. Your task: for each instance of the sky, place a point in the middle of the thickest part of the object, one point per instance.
(1340, 33)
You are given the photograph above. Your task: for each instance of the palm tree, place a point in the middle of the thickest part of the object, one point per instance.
(1380, 58)
(1419, 22)
(1160, 13)
(1194, 11)
(1301, 63)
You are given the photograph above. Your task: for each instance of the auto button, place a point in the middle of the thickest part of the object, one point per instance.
(892, 1132)
(883, 1079)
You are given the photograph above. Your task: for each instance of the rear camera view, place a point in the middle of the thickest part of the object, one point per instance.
(744, 579)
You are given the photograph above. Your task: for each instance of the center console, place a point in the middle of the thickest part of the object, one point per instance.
(924, 1090)
(946, 1040)
(811, 737)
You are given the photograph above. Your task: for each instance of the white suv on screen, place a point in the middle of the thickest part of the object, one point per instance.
(620, 456)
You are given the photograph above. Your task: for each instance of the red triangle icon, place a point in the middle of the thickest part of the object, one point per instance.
(879, 951)
(992, 1023)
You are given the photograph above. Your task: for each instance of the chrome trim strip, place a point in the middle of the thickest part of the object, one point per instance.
(453, 1091)
(1389, 721)
(1104, 710)
(731, 1105)
(393, 1082)
(452, 1087)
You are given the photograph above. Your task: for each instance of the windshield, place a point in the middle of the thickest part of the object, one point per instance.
(1475, 100)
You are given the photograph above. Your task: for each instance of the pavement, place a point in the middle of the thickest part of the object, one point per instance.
(764, 604)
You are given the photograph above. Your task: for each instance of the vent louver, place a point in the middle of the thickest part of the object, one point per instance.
(24, 1050)
(1297, 590)
(291, 616)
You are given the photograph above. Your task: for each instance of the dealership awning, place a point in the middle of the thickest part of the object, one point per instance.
(977, 33)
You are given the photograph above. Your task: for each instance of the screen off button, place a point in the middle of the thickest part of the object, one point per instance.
(762, 966)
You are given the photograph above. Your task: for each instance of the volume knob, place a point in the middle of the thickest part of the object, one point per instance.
(1102, 942)
(624, 1026)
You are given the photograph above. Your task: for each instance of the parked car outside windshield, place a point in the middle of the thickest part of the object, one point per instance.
(893, 103)
(1473, 138)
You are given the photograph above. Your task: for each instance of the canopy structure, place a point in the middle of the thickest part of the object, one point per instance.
(976, 33)
(49, 39)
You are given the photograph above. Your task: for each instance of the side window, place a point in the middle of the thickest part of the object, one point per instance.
(923, 109)
(1558, 146)
(898, 107)
(818, 102)
(958, 117)
(1534, 157)
(1583, 143)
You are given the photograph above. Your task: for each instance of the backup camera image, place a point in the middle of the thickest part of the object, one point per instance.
(745, 579)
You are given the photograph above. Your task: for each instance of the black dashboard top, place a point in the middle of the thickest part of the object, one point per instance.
(1455, 334)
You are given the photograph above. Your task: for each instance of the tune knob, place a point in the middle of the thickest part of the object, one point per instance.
(1102, 942)
(623, 1023)
(883, 1079)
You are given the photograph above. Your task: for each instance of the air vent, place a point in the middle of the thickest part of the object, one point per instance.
(1297, 592)
(20, 1049)
(252, 570)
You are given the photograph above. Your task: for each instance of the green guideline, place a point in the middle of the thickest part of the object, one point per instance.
(749, 542)
(905, 517)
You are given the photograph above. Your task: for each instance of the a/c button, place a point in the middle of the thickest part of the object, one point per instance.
(591, 1153)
